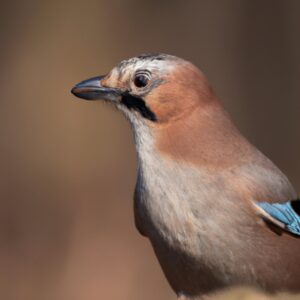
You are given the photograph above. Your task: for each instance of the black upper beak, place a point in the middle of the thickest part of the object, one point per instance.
(91, 89)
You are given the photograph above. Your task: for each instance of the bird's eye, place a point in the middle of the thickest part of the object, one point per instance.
(141, 80)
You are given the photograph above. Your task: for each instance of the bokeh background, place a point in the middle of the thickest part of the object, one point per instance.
(68, 167)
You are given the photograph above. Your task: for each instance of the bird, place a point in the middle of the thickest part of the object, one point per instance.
(207, 199)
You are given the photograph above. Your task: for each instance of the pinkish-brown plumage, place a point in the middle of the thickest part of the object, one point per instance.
(198, 180)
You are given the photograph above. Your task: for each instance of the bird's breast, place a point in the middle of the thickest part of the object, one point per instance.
(180, 211)
(179, 204)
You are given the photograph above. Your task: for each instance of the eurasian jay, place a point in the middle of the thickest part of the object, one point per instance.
(204, 195)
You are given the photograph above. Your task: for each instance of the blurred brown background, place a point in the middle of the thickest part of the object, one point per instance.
(68, 167)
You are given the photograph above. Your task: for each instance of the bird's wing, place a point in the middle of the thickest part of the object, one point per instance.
(285, 215)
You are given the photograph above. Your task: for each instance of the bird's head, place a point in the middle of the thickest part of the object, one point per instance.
(152, 88)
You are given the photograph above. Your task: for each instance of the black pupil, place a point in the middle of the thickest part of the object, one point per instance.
(141, 80)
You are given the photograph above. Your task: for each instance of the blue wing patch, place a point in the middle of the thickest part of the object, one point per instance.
(287, 213)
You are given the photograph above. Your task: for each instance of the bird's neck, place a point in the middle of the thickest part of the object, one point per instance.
(173, 195)
(205, 138)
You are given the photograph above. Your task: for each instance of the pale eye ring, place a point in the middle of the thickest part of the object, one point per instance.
(141, 79)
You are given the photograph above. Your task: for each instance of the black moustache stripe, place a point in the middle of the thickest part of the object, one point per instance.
(138, 104)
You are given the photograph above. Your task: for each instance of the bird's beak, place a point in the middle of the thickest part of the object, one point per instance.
(92, 89)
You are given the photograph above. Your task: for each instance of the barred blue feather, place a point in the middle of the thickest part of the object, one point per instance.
(287, 213)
